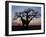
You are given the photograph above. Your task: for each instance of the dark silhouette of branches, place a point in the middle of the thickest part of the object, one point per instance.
(22, 14)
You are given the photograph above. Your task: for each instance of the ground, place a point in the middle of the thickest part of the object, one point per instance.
(31, 27)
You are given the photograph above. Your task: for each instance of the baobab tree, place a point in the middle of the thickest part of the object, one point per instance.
(26, 13)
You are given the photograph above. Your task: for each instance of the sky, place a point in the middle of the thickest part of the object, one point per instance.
(22, 8)
(35, 21)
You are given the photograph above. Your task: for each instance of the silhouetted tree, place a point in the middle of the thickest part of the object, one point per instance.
(21, 15)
